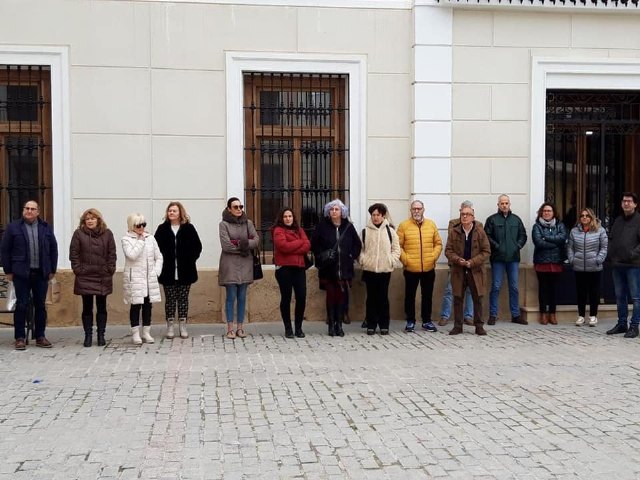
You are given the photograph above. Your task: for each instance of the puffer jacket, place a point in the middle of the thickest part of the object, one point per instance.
(624, 241)
(506, 235)
(290, 245)
(378, 254)
(587, 251)
(420, 245)
(549, 242)
(236, 263)
(142, 266)
(93, 260)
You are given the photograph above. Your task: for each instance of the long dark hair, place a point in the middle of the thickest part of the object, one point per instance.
(279, 222)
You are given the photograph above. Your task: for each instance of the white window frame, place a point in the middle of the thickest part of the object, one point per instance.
(573, 73)
(353, 65)
(57, 59)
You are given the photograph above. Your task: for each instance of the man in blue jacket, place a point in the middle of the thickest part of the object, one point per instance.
(29, 254)
(507, 236)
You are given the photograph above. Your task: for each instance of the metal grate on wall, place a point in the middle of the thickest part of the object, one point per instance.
(25, 140)
(296, 148)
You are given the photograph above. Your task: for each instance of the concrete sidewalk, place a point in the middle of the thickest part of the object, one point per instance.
(525, 402)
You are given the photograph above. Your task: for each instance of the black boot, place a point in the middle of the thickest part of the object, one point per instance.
(619, 328)
(288, 332)
(101, 324)
(632, 332)
(339, 320)
(331, 321)
(87, 324)
(299, 332)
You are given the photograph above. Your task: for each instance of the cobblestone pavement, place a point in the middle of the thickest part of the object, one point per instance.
(528, 402)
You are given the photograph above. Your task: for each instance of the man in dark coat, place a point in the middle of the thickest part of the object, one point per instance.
(624, 257)
(507, 236)
(29, 253)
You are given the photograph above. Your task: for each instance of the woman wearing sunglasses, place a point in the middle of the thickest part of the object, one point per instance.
(587, 250)
(142, 266)
(238, 237)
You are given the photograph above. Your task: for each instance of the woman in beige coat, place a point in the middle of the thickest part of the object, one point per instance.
(142, 266)
(379, 256)
(238, 237)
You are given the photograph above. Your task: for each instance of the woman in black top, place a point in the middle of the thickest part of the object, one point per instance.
(180, 247)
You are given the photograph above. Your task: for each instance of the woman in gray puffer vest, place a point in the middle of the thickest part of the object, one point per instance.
(587, 250)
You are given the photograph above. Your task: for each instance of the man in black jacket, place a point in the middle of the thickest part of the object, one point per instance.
(624, 257)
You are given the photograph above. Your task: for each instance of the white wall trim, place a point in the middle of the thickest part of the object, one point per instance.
(569, 73)
(353, 65)
(394, 4)
(57, 58)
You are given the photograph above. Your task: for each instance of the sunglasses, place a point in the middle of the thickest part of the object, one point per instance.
(141, 225)
(237, 207)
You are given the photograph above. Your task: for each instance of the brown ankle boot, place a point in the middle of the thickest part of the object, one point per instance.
(552, 319)
(480, 329)
(457, 329)
(544, 318)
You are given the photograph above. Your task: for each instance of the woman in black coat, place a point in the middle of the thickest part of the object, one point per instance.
(336, 232)
(180, 247)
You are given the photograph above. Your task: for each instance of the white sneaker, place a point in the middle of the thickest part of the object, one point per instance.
(146, 335)
(593, 321)
(170, 331)
(580, 321)
(182, 326)
(135, 336)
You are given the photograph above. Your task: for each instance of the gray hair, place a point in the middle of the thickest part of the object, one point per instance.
(466, 203)
(336, 203)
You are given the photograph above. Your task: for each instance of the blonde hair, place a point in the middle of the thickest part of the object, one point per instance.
(184, 218)
(93, 212)
(134, 219)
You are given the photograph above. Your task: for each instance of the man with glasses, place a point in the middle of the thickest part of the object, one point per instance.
(420, 248)
(507, 236)
(624, 257)
(29, 254)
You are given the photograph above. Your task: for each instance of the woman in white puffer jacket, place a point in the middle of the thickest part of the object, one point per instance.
(142, 266)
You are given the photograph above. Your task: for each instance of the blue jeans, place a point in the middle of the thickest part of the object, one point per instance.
(236, 292)
(497, 275)
(626, 282)
(38, 287)
(447, 301)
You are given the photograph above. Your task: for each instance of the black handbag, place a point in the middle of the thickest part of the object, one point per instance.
(257, 266)
(329, 257)
(308, 261)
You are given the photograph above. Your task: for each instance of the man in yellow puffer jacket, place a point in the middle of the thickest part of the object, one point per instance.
(420, 248)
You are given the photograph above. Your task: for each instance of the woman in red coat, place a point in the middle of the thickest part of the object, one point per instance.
(93, 259)
(290, 245)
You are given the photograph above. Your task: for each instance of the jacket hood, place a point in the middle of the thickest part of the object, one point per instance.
(228, 217)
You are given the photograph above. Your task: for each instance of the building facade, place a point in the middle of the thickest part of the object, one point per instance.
(125, 105)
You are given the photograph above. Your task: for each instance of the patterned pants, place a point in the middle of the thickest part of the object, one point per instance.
(176, 294)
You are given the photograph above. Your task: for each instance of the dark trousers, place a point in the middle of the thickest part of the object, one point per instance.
(87, 304)
(176, 295)
(411, 281)
(134, 313)
(292, 279)
(588, 286)
(37, 286)
(377, 313)
(458, 301)
(547, 291)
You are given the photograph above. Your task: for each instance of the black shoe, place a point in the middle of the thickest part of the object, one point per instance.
(371, 331)
(87, 340)
(618, 328)
(632, 332)
(288, 334)
(492, 320)
(384, 331)
(300, 334)
(519, 320)
(101, 341)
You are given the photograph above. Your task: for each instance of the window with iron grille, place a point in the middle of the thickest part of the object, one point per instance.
(25, 141)
(296, 147)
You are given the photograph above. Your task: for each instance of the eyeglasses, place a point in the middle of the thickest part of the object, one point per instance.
(141, 225)
(584, 215)
(466, 214)
(417, 209)
(31, 209)
(237, 207)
